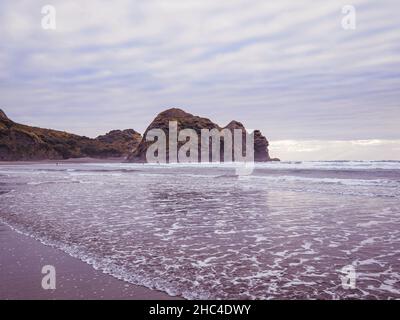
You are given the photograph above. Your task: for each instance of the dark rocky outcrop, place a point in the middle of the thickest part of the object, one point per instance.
(22, 142)
(186, 120)
(124, 140)
(3, 116)
(261, 153)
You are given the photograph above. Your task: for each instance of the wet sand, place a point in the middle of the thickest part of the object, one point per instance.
(21, 262)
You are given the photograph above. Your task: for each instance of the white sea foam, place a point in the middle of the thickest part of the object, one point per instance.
(200, 232)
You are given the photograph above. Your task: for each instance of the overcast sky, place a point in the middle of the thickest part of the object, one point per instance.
(315, 90)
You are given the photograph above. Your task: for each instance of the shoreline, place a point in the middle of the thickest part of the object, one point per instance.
(65, 161)
(22, 260)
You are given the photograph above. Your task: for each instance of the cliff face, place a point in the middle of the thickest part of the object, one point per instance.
(186, 120)
(261, 153)
(22, 142)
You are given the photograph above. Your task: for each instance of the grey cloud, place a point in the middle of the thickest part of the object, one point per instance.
(285, 67)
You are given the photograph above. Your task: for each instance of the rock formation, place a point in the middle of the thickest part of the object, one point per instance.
(22, 142)
(186, 120)
(124, 140)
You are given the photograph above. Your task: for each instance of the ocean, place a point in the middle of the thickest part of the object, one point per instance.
(202, 232)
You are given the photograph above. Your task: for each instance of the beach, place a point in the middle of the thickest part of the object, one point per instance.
(23, 257)
(201, 231)
(200, 150)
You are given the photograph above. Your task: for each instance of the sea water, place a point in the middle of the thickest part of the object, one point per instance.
(200, 231)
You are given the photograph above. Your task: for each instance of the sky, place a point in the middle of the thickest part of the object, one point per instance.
(316, 90)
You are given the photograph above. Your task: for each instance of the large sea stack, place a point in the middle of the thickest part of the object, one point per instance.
(186, 120)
